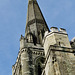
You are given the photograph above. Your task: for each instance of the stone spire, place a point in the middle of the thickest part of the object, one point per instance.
(35, 24)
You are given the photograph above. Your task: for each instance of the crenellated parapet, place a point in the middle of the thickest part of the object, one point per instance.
(56, 37)
(55, 29)
(62, 30)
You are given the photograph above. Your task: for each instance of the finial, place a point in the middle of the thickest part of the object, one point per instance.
(22, 37)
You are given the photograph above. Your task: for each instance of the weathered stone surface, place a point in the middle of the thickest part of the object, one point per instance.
(54, 57)
(56, 38)
(35, 21)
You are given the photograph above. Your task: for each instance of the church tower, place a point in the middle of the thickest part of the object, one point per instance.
(35, 24)
(43, 51)
(30, 60)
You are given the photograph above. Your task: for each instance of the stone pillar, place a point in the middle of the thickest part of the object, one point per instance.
(25, 63)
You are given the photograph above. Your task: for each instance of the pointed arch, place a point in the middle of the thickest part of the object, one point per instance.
(39, 64)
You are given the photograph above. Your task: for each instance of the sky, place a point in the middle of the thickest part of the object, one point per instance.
(57, 13)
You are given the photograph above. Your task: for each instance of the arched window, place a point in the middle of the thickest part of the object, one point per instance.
(39, 65)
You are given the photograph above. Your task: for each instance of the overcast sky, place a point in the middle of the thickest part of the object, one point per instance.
(58, 13)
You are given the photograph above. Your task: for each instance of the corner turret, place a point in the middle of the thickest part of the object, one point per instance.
(54, 29)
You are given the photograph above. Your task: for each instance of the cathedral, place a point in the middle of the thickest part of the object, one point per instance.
(44, 51)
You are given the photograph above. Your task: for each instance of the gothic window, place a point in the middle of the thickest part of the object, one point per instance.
(39, 65)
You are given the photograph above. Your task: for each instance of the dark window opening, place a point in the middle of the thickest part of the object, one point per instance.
(20, 70)
(33, 32)
(53, 62)
(34, 40)
(39, 69)
(27, 40)
(74, 53)
(42, 33)
(59, 43)
(42, 60)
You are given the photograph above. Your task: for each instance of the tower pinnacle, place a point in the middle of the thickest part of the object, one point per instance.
(35, 24)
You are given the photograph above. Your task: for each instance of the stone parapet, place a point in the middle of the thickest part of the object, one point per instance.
(54, 29)
(63, 30)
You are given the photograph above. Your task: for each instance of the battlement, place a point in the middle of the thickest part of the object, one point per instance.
(63, 30)
(54, 29)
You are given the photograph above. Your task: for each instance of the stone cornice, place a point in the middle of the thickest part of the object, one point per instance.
(35, 21)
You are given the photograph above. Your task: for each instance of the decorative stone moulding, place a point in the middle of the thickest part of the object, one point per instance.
(54, 29)
(38, 53)
(23, 50)
(63, 30)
